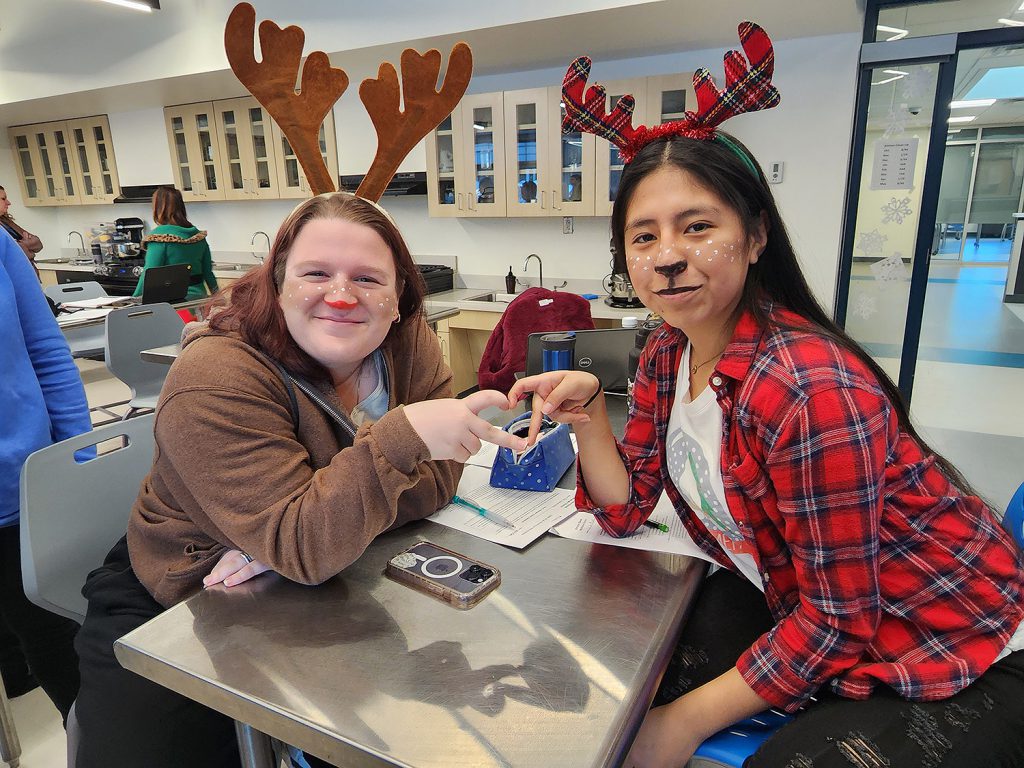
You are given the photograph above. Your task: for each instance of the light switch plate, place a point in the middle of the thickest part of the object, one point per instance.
(775, 169)
(567, 225)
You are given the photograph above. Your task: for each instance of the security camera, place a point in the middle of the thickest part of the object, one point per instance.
(915, 110)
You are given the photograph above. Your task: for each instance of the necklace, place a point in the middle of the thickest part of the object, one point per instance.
(695, 368)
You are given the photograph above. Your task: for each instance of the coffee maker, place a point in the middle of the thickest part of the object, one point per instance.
(618, 285)
(128, 234)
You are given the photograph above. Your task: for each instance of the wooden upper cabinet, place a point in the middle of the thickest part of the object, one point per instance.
(195, 151)
(444, 145)
(529, 177)
(480, 165)
(291, 180)
(659, 99)
(94, 156)
(65, 162)
(574, 161)
(232, 149)
(250, 165)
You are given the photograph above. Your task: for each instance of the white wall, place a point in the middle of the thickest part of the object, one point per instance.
(810, 131)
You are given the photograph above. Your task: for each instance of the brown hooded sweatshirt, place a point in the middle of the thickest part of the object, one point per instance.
(230, 471)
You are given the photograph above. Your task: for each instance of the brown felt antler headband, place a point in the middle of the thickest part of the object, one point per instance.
(747, 89)
(272, 82)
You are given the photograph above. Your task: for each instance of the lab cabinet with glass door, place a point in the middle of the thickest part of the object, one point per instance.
(548, 173)
(46, 163)
(250, 167)
(291, 179)
(195, 151)
(65, 162)
(465, 160)
(659, 99)
(94, 156)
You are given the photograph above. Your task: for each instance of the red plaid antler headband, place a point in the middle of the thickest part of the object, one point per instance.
(747, 89)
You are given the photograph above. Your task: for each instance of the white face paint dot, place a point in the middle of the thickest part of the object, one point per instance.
(709, 242)
(716, 252)
(697, 252)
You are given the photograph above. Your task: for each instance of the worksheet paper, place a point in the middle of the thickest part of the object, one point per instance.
(83, 314)
(531, 512)
(100, 301)
(583, 526)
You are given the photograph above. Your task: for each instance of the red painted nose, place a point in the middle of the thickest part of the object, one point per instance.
(342, 303)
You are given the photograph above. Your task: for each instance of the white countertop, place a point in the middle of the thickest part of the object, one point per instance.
(464, 299)
(460, 298)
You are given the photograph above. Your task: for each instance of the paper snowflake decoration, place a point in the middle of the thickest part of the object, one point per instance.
(917, 84)
(871, 243)
(896, 122)
(890, 269)
(896, 210)
(864, 306)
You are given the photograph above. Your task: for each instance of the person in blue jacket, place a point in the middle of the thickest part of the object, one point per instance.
(43, 402)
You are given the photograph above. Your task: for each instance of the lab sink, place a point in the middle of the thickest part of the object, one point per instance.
(503, 298)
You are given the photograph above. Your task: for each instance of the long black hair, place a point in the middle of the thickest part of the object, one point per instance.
(776, 277)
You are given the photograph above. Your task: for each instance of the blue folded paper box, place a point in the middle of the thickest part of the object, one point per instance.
(541, 467)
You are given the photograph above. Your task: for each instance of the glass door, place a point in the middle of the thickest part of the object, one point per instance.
(482, 163)
(531, 188)
(892, 232)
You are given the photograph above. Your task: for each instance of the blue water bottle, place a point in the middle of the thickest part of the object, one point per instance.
(557, 351)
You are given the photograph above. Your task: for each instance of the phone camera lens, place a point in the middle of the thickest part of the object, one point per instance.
(476, 574)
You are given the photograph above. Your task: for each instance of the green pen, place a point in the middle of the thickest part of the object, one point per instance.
(494, 517)
(656, 526)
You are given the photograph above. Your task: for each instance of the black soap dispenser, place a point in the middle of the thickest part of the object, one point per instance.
(510, 281)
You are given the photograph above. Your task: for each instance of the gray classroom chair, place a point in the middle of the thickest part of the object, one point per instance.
(83, 342)
(71, 515)
(74, 291)
(131, 330)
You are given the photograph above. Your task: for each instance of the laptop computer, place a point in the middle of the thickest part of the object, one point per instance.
(603, 352)
(165, 284)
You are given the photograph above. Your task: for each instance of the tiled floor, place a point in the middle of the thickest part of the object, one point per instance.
(39, 730)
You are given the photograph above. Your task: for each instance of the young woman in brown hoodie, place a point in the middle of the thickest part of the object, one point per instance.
(312, 413)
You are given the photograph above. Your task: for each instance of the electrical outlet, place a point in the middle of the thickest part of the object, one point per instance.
(567, 225)
(775, 170)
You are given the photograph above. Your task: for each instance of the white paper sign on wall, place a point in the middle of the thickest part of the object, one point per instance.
(894, 164)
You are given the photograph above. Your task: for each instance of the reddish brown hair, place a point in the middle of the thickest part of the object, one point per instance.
(252, 307)
(169, 207)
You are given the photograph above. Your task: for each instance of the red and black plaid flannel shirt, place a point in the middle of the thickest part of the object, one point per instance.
(875, 567)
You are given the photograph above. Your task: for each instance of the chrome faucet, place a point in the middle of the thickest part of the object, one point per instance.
(540, 267)
(82, 252)
(252, 241)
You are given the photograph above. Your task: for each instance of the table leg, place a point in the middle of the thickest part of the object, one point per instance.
(10, 747)
(254, 746)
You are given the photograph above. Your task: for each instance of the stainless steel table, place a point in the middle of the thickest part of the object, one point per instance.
(167, 354)
(556, 667)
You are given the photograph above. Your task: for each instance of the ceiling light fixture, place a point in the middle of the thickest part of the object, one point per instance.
(899, 34)
(147, 6)
(899, 72)
(889, 80)
(1011, 22)
(964, 119)
(969, 103)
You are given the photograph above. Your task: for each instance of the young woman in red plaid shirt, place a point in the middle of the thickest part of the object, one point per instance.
(857, 566)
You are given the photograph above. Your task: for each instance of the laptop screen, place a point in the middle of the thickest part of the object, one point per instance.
(603, 352)
(165, 284)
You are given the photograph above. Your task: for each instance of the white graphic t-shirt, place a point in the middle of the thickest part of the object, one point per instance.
(693, 448)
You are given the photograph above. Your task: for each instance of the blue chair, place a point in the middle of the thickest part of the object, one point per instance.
(730, 747)
(1013, 520)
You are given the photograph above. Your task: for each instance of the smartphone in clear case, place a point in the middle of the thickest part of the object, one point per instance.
(456, 579)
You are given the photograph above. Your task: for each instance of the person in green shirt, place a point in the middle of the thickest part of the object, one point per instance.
(176, 241)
